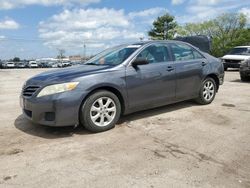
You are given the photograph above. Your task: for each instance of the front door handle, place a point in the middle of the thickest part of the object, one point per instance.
(170, 68)
(203, 64)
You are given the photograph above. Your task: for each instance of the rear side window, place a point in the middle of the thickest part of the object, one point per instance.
(155, 53)
(183, 52)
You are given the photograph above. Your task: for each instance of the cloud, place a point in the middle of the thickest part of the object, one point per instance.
(98, 28)
(148, 12)
(2, 37)
(8, 23)
(199, 10)
(209, 2)
(10, 4)
(145, 18)
(177, 2)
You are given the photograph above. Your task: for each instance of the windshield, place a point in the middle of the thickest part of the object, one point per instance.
(240, 51)
(113, 56)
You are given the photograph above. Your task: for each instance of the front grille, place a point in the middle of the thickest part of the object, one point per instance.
(232, 61)
(30, 90)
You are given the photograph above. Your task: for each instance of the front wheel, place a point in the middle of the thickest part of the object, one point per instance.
(101, 111)
(207, 91)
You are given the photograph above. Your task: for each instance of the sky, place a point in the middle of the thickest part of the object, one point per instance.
(38, 28)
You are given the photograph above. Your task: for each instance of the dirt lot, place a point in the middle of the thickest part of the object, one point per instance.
(181, 145)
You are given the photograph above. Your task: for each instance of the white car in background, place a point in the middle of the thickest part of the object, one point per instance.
(52, 64)
(33, 64)
(9, 65)
(235, 57)
(64, 64)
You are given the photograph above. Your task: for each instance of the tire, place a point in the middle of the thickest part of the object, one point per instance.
(98, 116)
(244, 78)
(225, 68)
(207, 91)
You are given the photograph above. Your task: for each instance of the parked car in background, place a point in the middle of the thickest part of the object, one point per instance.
(64, 64)
(122, 80)
(8, 65)
(44, 64)
(245, 70)
(52, 64)
(234, 58)
(33, 64)
(21, 65)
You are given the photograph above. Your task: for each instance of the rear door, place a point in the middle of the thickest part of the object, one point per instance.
(189, 64)
(152, 84)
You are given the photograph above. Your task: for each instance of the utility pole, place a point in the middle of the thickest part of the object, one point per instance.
(165, 30)
(84, 51)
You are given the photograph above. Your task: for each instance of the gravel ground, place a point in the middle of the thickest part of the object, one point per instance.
(180, 145)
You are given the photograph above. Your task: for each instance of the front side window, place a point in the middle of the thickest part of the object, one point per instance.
(113, 56)
(155, 54)
(184, 52)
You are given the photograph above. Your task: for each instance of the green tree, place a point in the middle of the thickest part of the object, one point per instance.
(230, 31)
(16, 59)
(204, 28)
(227, 31)
(163, 27)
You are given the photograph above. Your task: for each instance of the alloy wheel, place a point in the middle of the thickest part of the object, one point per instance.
(103, 111)
(208, 90)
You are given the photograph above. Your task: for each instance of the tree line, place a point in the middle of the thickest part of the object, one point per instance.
(225, 31)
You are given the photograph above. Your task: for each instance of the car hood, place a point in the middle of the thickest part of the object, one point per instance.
(65, 74)
(236, 57)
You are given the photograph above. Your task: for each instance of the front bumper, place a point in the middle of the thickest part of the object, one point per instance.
(55, 110)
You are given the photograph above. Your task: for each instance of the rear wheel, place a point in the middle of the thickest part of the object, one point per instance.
(101, 111)
(225, 68)
(207, 91)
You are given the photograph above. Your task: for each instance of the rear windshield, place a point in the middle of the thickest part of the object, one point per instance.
(240, 51)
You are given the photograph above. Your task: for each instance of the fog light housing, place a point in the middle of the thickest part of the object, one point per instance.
(50, 116)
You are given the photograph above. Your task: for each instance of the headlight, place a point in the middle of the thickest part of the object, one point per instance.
(57, 88)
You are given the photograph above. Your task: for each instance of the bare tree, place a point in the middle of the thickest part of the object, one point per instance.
(61, 53)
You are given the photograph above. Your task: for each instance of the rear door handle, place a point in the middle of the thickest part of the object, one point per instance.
(170, 68)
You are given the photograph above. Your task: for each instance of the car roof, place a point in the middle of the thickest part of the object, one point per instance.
(153, 41)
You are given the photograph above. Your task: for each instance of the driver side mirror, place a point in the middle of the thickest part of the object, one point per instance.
(140, 61)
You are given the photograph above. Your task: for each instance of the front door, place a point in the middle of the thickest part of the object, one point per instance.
(152, 84)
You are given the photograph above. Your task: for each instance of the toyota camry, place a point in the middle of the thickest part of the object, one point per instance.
(122, 80)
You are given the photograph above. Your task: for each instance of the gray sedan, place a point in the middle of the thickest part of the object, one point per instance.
(122, 80)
